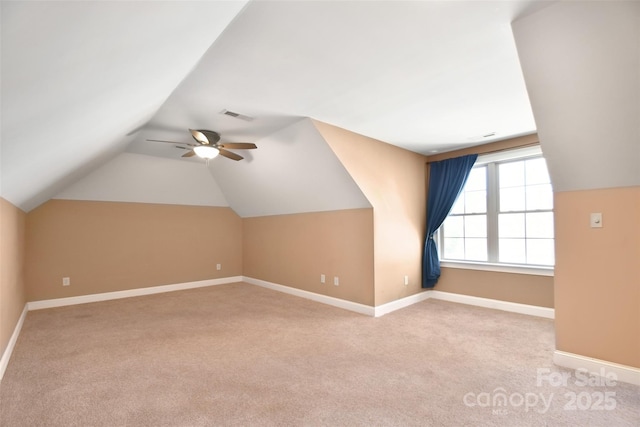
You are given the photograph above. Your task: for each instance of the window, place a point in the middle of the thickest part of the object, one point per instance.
(504, 214)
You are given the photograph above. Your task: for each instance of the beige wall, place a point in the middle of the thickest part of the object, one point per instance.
(393, 180)
(512, 287)
(294, 250)
(12, 293)
(110, 246)
(104, 246)
(520, 288)
(597, 276)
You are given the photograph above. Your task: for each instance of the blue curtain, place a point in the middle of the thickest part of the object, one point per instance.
(446, 181)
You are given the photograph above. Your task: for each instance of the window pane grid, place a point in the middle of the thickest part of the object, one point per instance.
(465, 237)
(503, 215)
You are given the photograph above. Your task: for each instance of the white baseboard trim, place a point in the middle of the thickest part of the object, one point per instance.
(387, 308)
(335, 302)
(6, 355)
(624, 373)
(531, 310)
(83, 299)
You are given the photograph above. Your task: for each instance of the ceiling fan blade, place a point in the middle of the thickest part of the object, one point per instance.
(171, 142)
(190, 153)
(230, 155)
(238, 145)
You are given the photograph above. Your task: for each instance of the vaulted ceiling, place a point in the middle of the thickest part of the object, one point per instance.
(84, 82)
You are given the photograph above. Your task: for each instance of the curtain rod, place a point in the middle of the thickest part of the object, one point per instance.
(497, 150)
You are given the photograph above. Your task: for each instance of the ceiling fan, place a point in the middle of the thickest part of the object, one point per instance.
(208, 145)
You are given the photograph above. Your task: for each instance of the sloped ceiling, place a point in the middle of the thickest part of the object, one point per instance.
(293, 171)
(267, 182)
(139, 178)
(581, 62)
(432, 75)
(85, 81)
(77, 77)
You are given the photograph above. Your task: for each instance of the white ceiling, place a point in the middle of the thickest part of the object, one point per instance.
(77, 77)
(425, 76)
(293, 171)
(267, 182)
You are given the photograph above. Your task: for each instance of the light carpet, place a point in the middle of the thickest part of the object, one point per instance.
(241, 355)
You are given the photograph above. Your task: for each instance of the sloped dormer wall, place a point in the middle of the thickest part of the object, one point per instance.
(393, 180)
(287, 214)
(303, 216)
(581, 65)
(313, 200)
(137, 221)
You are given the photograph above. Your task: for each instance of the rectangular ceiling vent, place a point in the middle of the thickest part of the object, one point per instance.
(236, 115)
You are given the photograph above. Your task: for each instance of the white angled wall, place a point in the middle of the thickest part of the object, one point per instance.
(581, 64)
(293, 171)
(133, 177)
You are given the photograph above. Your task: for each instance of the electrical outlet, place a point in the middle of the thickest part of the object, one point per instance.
(322, 278)
(336, 281)
(218, 266)
(66, 281)
(406, 280)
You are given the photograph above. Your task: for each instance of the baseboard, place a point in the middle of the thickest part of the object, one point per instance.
(627, 374)
(83, 299)
(387, 308)
(531, 310)
(324, 299)
(6, 355)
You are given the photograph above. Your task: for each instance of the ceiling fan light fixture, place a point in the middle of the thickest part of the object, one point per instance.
(206, 151)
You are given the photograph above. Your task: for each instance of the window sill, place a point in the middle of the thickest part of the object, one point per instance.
(502, 268)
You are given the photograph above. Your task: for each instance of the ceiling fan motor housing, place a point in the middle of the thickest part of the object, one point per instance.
(208, 147)
(212, 137)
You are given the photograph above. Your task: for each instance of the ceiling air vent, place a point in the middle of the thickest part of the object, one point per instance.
(236, 115)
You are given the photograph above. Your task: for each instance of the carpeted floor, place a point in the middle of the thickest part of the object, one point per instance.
(243, 355)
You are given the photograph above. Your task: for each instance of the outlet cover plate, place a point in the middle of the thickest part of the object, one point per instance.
(596, 220)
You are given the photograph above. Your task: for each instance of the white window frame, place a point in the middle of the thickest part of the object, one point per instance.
(491, 160)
